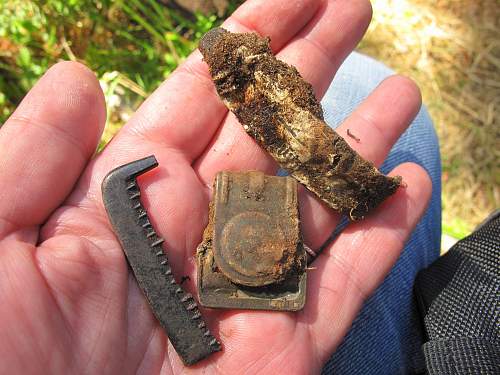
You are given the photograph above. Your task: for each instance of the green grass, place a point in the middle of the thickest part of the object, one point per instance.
(457, 228)
(133, 45)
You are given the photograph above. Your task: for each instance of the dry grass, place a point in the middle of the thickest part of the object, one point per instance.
(451, 48)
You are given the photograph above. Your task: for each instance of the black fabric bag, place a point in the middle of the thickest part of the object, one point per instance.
(458, 298)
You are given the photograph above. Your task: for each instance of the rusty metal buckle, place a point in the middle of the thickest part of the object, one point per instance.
(252, 255)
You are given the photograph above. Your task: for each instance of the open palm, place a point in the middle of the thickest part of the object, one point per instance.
(68, 301)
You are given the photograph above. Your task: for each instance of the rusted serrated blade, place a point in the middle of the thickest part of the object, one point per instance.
(176, 310)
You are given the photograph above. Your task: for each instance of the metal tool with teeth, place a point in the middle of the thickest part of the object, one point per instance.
(176, 310)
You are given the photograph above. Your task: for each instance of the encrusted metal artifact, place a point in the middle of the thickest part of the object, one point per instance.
(252, 255)
(279, 110)
(176, 310)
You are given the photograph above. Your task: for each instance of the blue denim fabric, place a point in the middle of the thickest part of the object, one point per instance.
(384, 338)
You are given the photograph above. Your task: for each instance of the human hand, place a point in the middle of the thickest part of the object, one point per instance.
(69, 303)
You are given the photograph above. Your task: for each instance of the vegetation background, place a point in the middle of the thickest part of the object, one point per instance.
(450, 47)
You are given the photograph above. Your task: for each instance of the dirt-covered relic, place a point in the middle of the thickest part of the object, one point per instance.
(252, 256)
(279, 110)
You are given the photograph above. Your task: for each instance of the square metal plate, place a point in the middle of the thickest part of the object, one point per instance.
(252, 256)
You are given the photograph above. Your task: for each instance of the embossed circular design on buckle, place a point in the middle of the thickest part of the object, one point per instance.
(251, 250)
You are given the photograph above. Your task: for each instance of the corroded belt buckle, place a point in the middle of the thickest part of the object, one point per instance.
(252, 256)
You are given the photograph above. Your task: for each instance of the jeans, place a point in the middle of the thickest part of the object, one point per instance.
(385, 337)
